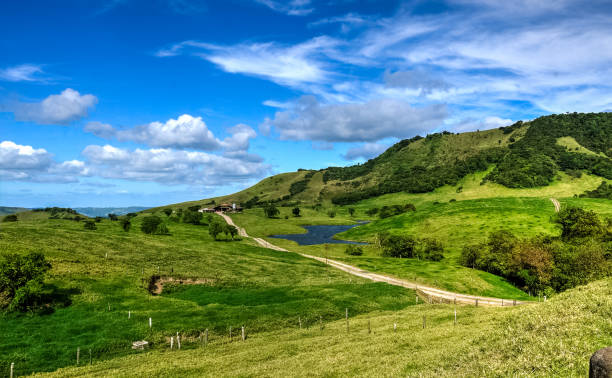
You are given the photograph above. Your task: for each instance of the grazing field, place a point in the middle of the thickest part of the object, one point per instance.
(100, 277)
(555, 338)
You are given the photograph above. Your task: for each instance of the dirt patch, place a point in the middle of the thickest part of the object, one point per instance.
(156, 283)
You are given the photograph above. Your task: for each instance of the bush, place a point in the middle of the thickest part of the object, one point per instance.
(10, 218)
(231, 230)
(162, 229)
(371, 212)
(354, 250)
(89, 225)
(271, 211)
(192, 217)
(21, 281)
(331, 213)
(126, 224)
(98, 219)
(351, 211)
(113, 217)
(150, 224)
(194, 208)
(168, 211)
(296, 211)
(578, 223)
(215, 228)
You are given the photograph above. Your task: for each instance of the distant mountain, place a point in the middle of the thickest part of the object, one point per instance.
(4, 210)
(104, 211)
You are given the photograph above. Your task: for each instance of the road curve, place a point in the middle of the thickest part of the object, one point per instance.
(428, 293)
(557, 204)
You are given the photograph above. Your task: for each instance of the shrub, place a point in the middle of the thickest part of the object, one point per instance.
(354, 250)
(10, 218)
(168, 211)
(296, 211)
(21, 279)
(271, 210)
(150, 223)
(232, 230)
(89, 225)
(113, 217)
(215, 228)
(98, 219)
(126, 224)
(194, 208)
(331, 213)
(162, 229)
(371, 212)
(578, 223)
(77, 218)
(192, 217)
(351, 211)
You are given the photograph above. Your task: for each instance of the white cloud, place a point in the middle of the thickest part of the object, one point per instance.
(99, 129)
(59, 109)
(366, 151)
(414, 79)
(171, 166)
(359, 122)
(26, 163)
(289, 7)
(23, 72)
(472, 124)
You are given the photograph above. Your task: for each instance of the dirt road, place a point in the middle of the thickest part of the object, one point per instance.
(428, 293)
(557, 204)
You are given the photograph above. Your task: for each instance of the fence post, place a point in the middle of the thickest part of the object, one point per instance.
(12, 368)
(300, 321)
(321, 322)
(243, 334)
(89, 356)
(416, 299)
(129, 314)
(424, 321)
(171, 342)
(178, 341)
(455, 316)
(347, 322)
(206, 337)
(476, 302)
(230, 334)
(545, 298)
(369, 327)
(394, 327)
(78, 354)
(150, 323)
(514, 302)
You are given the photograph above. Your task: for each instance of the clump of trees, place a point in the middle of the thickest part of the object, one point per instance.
(192, 217)
(604, 190)
(217, 228)
(406, 246)
(389, 211)
(270, 210)
(547, 264)
(354, 250)
(21, 281)
(153, 224)
(10, 218)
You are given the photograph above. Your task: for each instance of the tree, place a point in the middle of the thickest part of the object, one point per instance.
(579, 223)
(232, 230)
(89, 225)
(192, 217)
(168, 211)
(162, 229)
(77, 218)
(271, 210)
(215, 229)
(98, 219)
(470, 255)
(149, 224)
(331, 213)
(194, 208)
(296, 211)
(10, 218)
(126, 224)
(21, 279)
(351, 211)
(354, 250)
(113, 217)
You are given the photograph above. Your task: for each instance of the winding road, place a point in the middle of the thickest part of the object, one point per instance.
(557, 204)
(428, 293)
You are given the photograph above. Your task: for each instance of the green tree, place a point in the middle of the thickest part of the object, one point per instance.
(232, 230)
(10, 218)
(296, 211)
(150, 223)
(113, 217)
(192, 217)
(21, 279)
(89, 225)
(168, 211)
(271, 210)
(126, 224)
(215, 229)
(331, 213)
(351, 211)
(354, 250)
(579, 223)
(470, 254)
(98, 219)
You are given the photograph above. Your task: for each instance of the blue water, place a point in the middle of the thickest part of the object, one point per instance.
(320, 235)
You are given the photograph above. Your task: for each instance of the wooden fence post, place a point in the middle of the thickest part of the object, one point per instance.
(424, 321)
(12, 368)
(171, 342)
(347, 322)
(394, 327)
(230, 334)
(243, 334)
(321, 322)
(206, 337)
(476, 302)
(514, 302)
(178, 341)
(129, 314)
(78, 354)
(455, 316)
(89, 356)
(150, 323)
(300, 321)
(369, 327)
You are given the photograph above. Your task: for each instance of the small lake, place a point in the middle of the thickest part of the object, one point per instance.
(320, 235)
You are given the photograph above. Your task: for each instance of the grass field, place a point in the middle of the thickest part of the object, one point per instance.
(549, 339)
(262, 289)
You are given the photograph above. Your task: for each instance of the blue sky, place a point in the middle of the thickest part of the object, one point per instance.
(128, 102)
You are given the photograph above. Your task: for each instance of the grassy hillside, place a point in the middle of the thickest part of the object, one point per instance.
(555, 338)
(5, 210)
(92, 270)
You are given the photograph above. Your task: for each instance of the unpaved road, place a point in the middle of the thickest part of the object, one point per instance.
(557, 204)
(432, 293)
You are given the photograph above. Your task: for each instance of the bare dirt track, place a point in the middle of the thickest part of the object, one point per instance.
(557, 204)
(427, 292)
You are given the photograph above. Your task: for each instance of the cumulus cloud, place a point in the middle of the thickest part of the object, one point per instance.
(360, 122)
(171, 166)
(99, 129)
(291, 7)
(365, 151)
(23, 72)
(414, 79)
(59, 109)
(26, 163)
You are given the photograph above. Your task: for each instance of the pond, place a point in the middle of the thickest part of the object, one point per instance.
(322, 234)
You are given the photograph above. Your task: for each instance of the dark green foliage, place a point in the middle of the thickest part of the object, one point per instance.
(547, 264)
(299, 186)
(168, 211)
(579, 223)
(89, 225)
(131, 215)
(231, 230)
(331, 213)
(271, 210)
(98, 219)
(251, 202)
(215, 228)
(194, 208)
(604, 190)
(150, 224)
(192, 217)
(373, 211)
(113, 217)
(78, 218)
(535, 159)
(10, 218)
(126, 224)
(162, 229)
(296, 211)
(351, 211)
(21, 281)
(405, 246)
(389, 211)
(354, 250)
